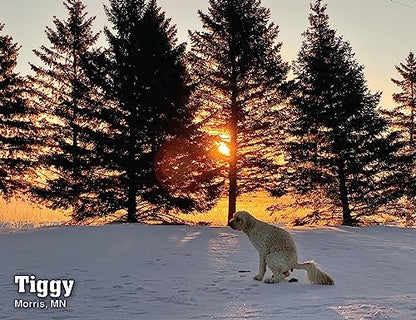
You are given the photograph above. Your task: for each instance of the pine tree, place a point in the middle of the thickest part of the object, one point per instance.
(16, 130)
(155, 159)
(339, 147)
(238, 71)
(61, 92)
(404, 113)
(402, 121)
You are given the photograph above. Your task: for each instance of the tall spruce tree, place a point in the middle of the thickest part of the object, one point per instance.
(154, 157)
(404, 114)
(402, 120)
(61, 92)
(338, 146)
(238, 71)
(16, 130)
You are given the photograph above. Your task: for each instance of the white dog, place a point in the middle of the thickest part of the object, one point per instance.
(277, 249)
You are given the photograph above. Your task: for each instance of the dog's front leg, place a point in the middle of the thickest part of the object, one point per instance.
(262, 267)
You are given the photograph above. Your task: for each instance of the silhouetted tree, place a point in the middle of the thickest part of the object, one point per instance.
(150, 149)
(402, 121)
(16, 129)
(61, 92)
(339, 148)
(403, 115)
(238, 71)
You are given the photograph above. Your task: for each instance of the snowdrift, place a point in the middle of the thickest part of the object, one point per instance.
(178, 272)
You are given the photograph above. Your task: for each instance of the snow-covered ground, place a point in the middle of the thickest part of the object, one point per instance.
(177, 272)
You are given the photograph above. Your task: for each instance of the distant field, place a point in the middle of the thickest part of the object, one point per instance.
(21, 212)
(18, 212)
(254, 203)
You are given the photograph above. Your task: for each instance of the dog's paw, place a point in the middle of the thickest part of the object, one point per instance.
(258, 277)
(269, 280)
(274, 278)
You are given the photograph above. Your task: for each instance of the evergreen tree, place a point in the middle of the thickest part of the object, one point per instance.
(238, 71)
(338, 150)
(402, 121)
(16, 129)
(403, 115)
(153, 155)
(61, 92)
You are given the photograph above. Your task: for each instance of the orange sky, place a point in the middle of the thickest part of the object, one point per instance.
(381, 32)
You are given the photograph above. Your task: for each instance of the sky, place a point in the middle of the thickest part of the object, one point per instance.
(381, 32)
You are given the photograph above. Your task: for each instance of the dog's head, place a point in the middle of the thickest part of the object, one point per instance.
(242, 221)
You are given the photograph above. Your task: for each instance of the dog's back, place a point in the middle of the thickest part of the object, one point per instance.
(268, 238)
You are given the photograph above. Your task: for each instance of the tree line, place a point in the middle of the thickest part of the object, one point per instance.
(135, 126)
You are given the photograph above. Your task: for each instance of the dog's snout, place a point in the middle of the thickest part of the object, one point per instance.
(231, 224)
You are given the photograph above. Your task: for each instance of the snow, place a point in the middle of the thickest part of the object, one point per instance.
(179, 272)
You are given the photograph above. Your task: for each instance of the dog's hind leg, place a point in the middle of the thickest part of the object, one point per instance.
(275, 278)
(278, 264)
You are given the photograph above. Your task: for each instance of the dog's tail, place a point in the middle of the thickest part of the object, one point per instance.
(315, 274)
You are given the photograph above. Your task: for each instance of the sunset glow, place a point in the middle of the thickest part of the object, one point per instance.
(222, 144)
(223, 148)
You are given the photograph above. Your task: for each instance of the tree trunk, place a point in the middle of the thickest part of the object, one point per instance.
(412, 127)
(343, 192)
(412, 116)
(131, 200)
(75, 93)
(232, 173)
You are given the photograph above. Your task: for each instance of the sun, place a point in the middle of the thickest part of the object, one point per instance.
(223, 148)
(220, 143)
